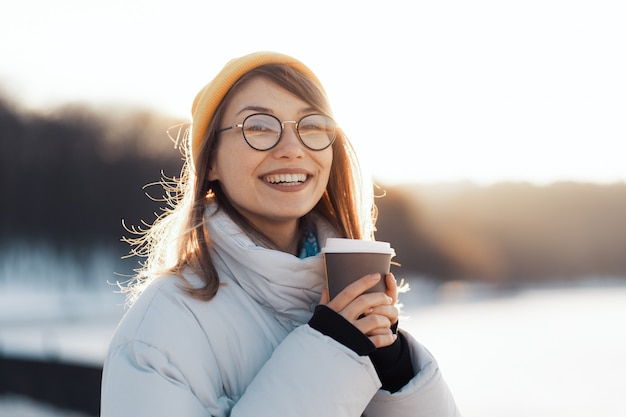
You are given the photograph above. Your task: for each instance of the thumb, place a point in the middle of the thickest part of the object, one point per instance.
(325, 298)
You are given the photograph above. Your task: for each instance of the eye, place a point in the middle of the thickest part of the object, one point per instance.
(316, 123)
(260, 125)
(311, 127)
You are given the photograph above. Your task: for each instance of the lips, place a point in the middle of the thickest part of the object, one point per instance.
(286, 179)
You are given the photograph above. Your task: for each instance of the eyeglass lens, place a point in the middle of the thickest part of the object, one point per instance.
(263, 131)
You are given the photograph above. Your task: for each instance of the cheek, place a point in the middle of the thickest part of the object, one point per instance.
(326, 162)
(224, 161)
(234, 165)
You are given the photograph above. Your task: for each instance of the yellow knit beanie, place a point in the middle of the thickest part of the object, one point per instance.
(209, 97)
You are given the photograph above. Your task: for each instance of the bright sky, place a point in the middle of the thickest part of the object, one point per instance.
(428, 91)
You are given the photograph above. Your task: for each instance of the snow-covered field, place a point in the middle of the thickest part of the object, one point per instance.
(540, 352)
(19, 406)
(533, 352)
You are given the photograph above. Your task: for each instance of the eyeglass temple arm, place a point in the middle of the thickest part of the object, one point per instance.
(230, 127)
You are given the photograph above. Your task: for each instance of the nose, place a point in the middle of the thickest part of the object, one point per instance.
(289, 145)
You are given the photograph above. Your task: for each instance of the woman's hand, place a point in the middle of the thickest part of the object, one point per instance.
(372, 313)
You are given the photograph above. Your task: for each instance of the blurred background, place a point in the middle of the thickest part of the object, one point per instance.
(494, 131)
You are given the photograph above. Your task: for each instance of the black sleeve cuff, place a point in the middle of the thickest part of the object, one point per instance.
(332, 324)
(393, 364)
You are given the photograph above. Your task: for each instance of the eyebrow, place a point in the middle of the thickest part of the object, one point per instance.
(260, 109)
(253, 108)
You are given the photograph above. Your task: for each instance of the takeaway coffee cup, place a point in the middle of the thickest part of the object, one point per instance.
(347, 260)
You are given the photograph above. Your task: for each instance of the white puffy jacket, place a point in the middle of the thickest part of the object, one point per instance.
(249, 352)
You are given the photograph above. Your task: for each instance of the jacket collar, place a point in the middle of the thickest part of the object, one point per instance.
(286, 285)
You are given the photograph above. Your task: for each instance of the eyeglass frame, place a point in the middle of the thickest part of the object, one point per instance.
(282, 128)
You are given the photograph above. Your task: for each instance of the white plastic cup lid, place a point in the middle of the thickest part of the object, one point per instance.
(342, 245)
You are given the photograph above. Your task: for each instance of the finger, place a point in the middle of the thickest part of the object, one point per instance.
(352, 291)
(373, 323)
(383, 340)
(325, 298)
(389, 311)
(365, 305)
(392, 287)
(378, 332)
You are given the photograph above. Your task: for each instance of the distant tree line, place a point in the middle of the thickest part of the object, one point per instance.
(508, 232)
(71, 174)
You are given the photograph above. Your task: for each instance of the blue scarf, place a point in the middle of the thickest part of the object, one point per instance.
(310, 245)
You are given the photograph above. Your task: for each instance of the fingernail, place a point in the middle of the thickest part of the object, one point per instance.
(375, 277)
(389, 299)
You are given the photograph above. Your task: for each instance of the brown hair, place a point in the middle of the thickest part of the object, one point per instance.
(178, 240)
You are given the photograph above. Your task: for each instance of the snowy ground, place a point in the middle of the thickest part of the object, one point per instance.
(53, 334)
(540, 352)
(19, 406)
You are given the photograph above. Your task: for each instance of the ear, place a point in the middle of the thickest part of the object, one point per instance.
(212, 173)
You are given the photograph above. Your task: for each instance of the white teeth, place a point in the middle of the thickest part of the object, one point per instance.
(287, 179)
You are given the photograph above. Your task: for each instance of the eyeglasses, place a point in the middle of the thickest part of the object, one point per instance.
(263, 131)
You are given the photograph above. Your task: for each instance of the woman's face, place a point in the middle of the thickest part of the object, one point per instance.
(272, 188)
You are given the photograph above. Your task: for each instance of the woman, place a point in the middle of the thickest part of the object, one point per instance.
(230, 315)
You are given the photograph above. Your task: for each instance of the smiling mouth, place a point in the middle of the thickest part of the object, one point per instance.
(286, 179)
